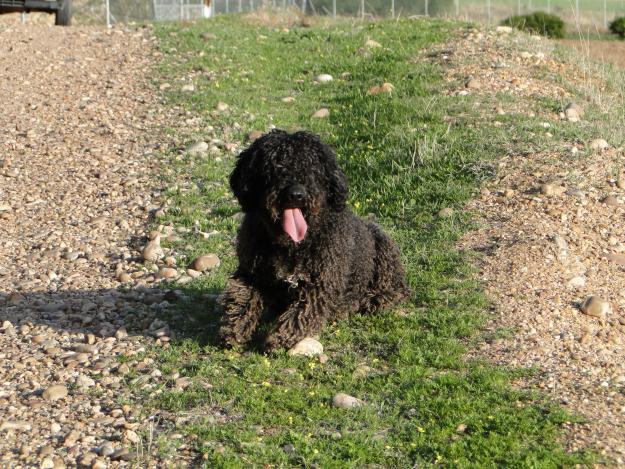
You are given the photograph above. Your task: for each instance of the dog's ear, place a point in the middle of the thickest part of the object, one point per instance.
(337, 195)
(242, 180)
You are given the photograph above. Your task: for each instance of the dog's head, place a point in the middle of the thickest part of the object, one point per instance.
(290, 179)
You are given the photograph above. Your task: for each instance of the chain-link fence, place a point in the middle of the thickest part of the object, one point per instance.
(593, 15)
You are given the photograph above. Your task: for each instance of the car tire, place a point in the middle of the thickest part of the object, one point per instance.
(63, 16)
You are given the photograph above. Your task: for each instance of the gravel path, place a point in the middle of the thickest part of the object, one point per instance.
(551, 236)
(78, 120)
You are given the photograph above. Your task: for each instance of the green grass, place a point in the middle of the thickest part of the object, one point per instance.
(407, 156)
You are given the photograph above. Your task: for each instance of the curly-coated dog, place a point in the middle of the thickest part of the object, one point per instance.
(304, 257)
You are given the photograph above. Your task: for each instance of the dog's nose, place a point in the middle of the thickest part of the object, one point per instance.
(295, 194)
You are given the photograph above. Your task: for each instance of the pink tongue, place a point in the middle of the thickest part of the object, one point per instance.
(294, 224)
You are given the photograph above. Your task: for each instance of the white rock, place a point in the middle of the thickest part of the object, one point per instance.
(308, 347)
(197, 148)
(321, 113)
(504, 29)
(345, 401)
(599, 144)
(597, 307)
(577, 282)
(323, 78)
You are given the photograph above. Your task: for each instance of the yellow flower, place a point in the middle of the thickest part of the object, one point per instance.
(266, 383)
(421, 430)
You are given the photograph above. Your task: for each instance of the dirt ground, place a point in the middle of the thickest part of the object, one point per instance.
(604, 51)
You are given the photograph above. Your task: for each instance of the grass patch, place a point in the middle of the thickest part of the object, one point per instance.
(405, 159)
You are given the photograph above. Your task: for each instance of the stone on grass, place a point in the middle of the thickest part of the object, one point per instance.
(197, 148)
(206, 262)
(167, 273)
(371, 44)
(221, 106)
(254, 134)
(54, 393)
(504, 29)
(611, 201)
(321, 113)
(445, 212)
(345, 401)
(288, 99)
(188, 88)
(472, 84)
(323, 78)
(307, 347)
(599, 144)
(152, 250)
(596, 306)
(577, 282)
(379, 89)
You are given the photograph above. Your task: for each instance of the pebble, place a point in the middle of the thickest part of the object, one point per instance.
(472, 84)
(197, 148)
(611, 201)
(124, 277)
(152, 250)
(596, 306)
(321, 113)
(254, 134)
(288, 99)
(84, 382)
(445, 212)
(193, 273)
(323, 78)
(206, 262)
(188, 88)
(599, 144)
(345, 401)
(55, 392)
(166, 273)
(379, 89)
(577, 282)
(15, 425)
(308, 347)
(221, 106)
(371, 44)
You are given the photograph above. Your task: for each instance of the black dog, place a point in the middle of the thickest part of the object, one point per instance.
(304, 257)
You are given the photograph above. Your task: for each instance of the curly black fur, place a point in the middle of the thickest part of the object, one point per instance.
(343, 264)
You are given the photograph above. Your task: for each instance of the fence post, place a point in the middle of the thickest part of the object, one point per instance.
(334, 9)
(489, 12)
(427, 8)
(605, 14)
(181, 10)
(108, 14)
(304, 6)
(457, 5)
(549, 6)
(577, 13)
(362, 9)
(393, 9)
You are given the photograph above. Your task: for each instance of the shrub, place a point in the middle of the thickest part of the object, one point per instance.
(538, 23)
(618, 27)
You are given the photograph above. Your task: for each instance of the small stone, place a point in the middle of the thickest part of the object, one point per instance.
(461, 428)
(166, 273)
(288, 449)
(164, 86)
(379, 89)
(504, 29)
(599, 144)
(323, 78)
(47, 463)
(288, 99)
(323, 359)
(197, 148)
(15, 425)
(371, 44)
(152, 250)
(206, 262)
(308, 347)
(55, 392)
(596, 306)
(193, 273)
(123, 369)
(124, 277)
(221, 106)
(99, 464)
(84, 382)
(611, 201)
(321, 113)
(188, 88)
(254, 134)
(577, 282)
(362, 371)
(445, 212)
(547, 189)
(472, 84)
(131, 436)
(182, 383)
(345, 401)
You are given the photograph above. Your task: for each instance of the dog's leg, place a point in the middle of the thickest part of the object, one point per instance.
(243, 308)
(303, 318)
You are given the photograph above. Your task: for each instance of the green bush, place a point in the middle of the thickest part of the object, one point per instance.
(540, 22)
(618, 27)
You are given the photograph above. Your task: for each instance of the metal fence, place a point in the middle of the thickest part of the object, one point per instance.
(593, 15)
